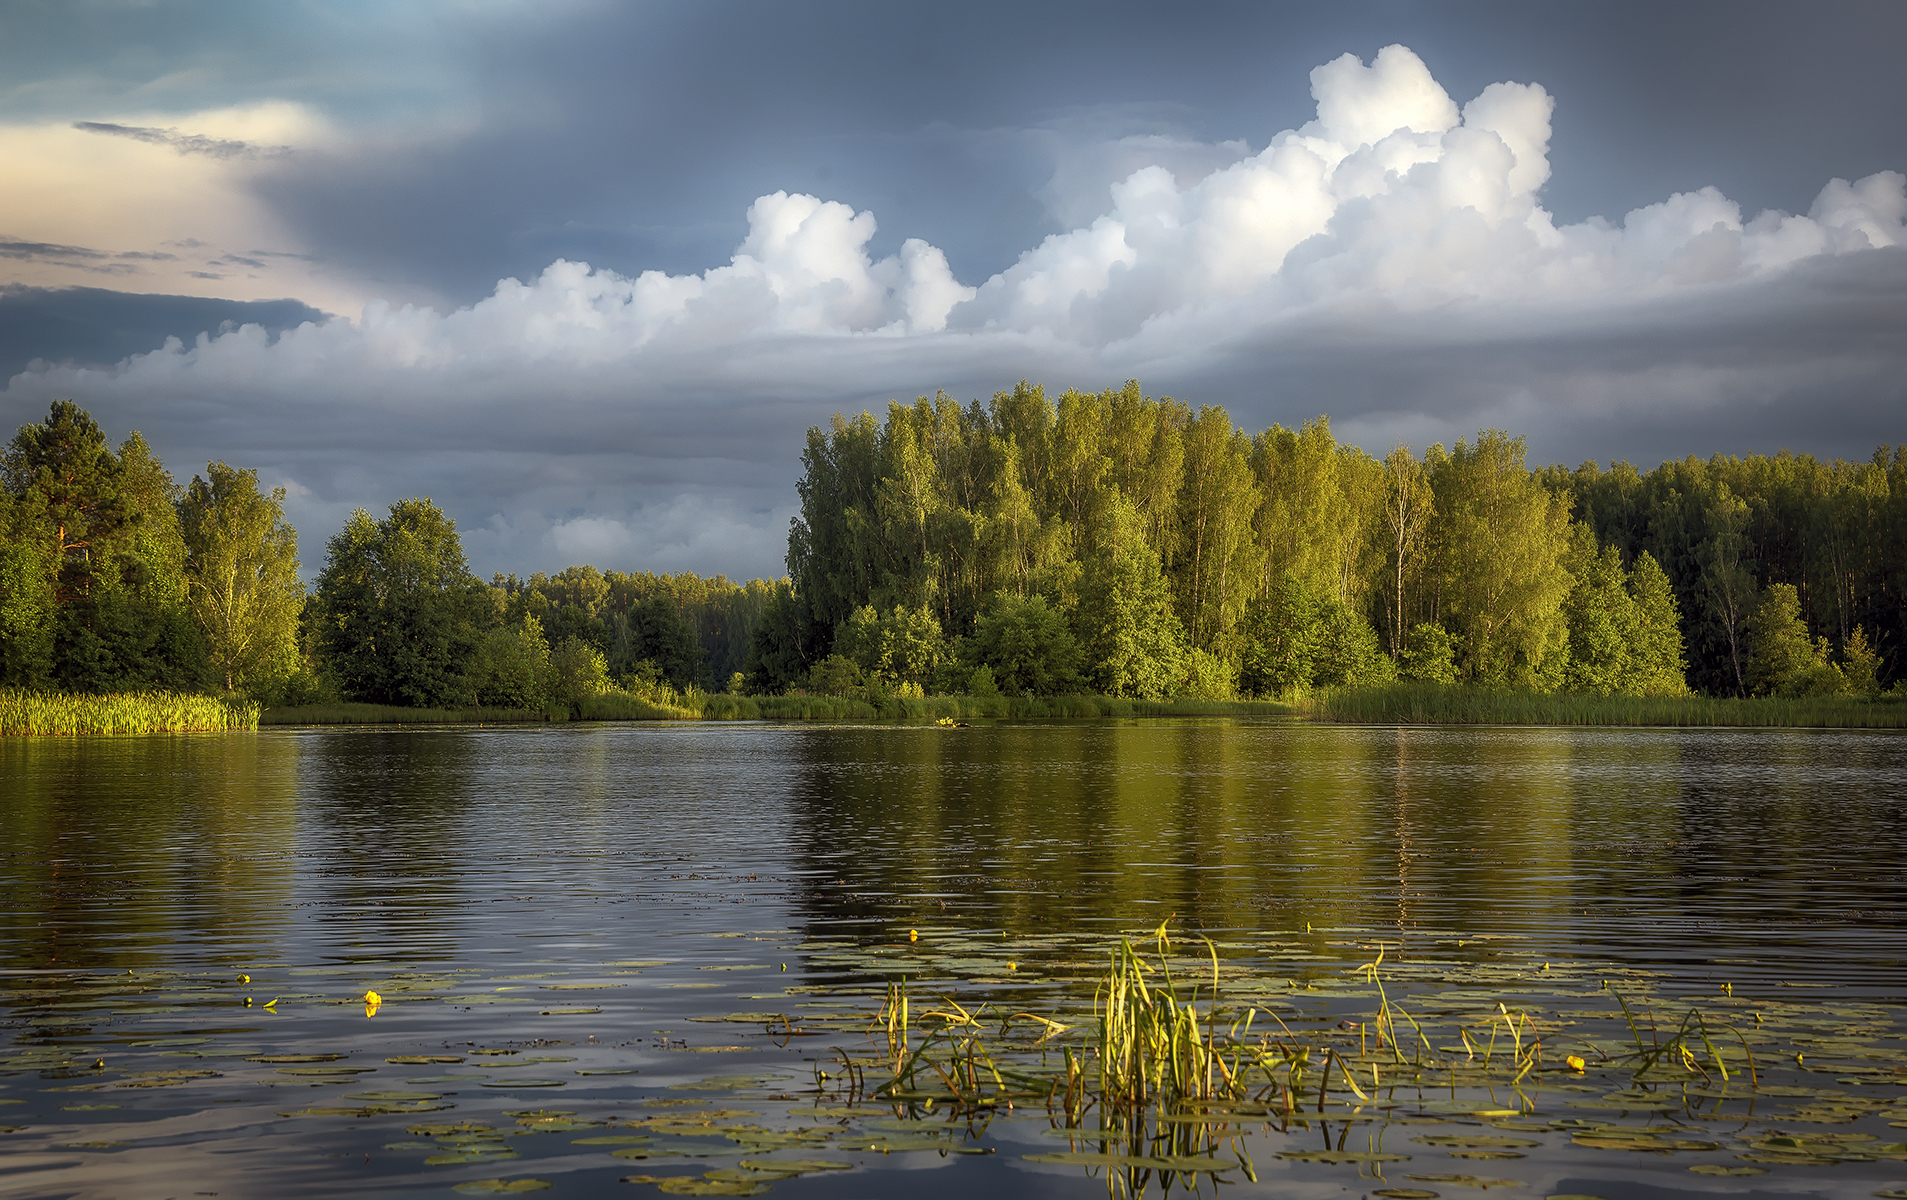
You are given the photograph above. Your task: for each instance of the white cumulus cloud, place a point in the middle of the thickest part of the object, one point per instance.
(1390, 262)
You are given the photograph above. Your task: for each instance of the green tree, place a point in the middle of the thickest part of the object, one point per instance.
(1132, 641)
(242, 583)
(1025, 646)
(1860, 665)
(71, 489)
(1281, 639)
(511, 666)
(398, 611)
(1503, 539)
(1348, 653)
(836, 675)
(657, 633)
(777, 651)
(1659, 666)
(1604, 623)
(577, 672)
(1779, 653)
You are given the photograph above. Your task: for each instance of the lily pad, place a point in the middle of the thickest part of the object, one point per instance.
(474, 1154)
(493, 1187)
(619, 1140)
(570, 1012)
(1719, 1169)
(1341, 1156)
(1406, 1193)
(1470, 1181)
(523, 1083)
(795, 1166)
(689, 1185)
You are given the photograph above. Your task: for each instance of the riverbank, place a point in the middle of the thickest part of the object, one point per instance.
(1439, 704)
(721, 706)
(66, 714)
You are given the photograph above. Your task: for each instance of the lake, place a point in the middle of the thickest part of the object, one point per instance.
(666, 954)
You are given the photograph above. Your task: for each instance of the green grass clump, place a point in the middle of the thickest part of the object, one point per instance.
(62, 714)
(1454, 704)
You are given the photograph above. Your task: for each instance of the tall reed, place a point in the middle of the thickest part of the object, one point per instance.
(1450, 704)
(60, 714)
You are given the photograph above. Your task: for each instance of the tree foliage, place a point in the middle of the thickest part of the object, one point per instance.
(242, 583)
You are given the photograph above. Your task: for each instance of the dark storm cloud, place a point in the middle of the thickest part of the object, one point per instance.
(631, 137)
(656, 422)
(184, 143)
(97, 327)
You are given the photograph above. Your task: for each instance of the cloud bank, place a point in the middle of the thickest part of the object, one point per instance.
(1389, 262)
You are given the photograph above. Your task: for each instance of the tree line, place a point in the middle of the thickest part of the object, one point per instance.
(1107, 542)
(1131, 545)
(116, 578)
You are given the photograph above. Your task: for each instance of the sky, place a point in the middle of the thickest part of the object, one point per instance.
(584, 273)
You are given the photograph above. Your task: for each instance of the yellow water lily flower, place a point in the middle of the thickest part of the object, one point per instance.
(1575, 1062)
(372, 1002)
(913, 935)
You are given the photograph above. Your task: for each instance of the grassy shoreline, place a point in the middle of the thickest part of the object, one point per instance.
(66, 714)
(45, 714)
(1438, 704)
(724, 707)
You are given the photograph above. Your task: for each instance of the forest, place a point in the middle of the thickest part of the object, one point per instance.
(115, 578)
(1114, 542)
(1106, 543)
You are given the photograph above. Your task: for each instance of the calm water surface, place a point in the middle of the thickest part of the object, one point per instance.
(593, 899)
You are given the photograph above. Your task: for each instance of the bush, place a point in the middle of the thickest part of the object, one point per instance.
(1429, 655)
(1208, 677)
(1026, 645)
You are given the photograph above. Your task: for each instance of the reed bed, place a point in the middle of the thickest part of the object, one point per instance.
(1159, 1077)
(1441, 704)
(64, 714)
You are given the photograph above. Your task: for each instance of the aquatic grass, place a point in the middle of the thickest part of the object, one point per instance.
(64, 714)
(1452, 704)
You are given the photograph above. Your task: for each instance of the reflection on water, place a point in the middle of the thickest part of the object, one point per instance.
(605, 887)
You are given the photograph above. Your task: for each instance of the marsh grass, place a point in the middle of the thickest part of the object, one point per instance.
(722, 706)
(1441, 704)
(59, 714)
(387, 714)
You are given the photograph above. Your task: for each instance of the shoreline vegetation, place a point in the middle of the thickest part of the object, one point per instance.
(55, 714)
(1095, 554)
(59, 714)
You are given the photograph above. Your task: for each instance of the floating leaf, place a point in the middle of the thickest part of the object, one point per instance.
(1468, 1181)
(1475, 1141)
(569, 1012)
(491, 1187)
(1719, 1169)
(1406, 1193)
(474, 1154)
(523, 1083)
(1341, 1156)
(620, 1140)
